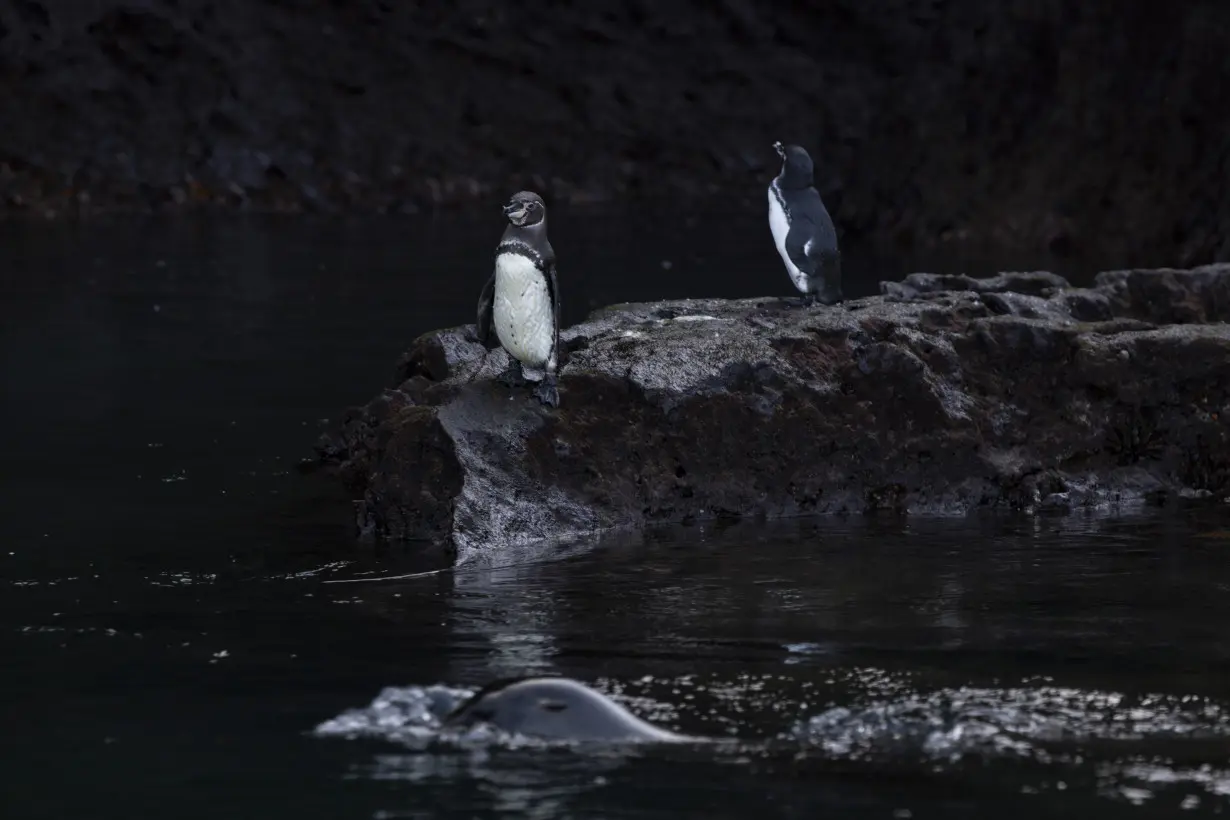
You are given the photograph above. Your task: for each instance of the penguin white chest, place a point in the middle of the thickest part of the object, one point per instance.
(779, 225)
(522, 311)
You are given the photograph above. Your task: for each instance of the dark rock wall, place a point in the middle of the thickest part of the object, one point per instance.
(1055, 123)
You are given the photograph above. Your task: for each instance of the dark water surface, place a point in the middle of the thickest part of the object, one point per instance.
(172, 638)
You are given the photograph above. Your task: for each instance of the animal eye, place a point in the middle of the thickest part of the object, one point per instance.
(553, 705)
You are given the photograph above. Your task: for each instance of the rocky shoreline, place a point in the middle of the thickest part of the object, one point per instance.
(1075, 127)
(942, 396)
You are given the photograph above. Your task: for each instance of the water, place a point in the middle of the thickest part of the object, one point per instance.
(174, 642)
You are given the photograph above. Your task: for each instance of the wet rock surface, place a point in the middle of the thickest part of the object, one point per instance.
(1056, 124)
(940, 397)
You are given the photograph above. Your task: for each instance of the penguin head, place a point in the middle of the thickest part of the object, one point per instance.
(797, 170)
(525, 208)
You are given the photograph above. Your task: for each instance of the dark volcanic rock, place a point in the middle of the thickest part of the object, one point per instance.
(955, 400)
(1057, 123)
(1037, 283)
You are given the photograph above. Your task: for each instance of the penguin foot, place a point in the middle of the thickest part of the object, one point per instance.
(512, 377)
(811, 299)
(547, 392)
(830, 298)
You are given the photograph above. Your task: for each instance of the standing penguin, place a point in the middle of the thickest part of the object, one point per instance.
(521, 299)
(803, 229)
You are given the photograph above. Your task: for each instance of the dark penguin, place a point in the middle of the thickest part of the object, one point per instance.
(521, 299)
(554, 709)
(803, 229)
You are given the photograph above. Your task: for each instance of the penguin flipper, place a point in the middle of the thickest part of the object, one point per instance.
(483, 327)
(797, 249)
(553, 287)
(818, 259)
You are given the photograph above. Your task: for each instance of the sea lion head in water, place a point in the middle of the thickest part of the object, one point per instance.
(555, 709)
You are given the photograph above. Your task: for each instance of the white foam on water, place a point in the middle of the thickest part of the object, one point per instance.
(1068, 730)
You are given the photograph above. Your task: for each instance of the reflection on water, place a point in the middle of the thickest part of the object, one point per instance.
(174, 622)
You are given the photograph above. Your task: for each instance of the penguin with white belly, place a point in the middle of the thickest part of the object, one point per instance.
(803, 230)
(519, 305)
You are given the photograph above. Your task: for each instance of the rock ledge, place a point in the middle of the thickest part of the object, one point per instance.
(941, 396)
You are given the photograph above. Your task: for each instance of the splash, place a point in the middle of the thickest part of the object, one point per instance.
(408, 715)
(1054, 737)
(1018, 721)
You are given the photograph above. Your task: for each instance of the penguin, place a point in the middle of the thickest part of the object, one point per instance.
(803, 230)
(519, 305)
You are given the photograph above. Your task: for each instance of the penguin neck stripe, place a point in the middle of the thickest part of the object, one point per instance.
(521, 247)
(781, 199)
